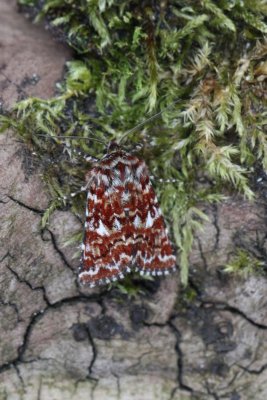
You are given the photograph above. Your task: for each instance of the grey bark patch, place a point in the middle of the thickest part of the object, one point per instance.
(138, 315)
(79, 332)
(217, 367)
(105, 327)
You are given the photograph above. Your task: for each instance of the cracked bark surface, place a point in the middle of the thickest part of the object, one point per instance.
(60, 341)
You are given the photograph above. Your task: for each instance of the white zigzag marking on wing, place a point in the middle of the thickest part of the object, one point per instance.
(105, 179)
(91, 272)
(112, 267)
(117, 224)
(102, 230)
(125, 196)
(152, 258)
(95, 249)
(137, 221)
(140, 171)
(123, 161)
(149, 220)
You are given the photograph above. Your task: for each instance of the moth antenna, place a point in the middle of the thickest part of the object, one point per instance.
(43, 135)
(155, 116)
(82, 189)
(73, 194)
(130, 130)
(71, 137)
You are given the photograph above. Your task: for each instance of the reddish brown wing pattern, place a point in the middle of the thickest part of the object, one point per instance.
(124, 227)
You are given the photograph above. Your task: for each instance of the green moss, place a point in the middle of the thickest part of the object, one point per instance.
(201, 63)
(132, 286)
(244, 264)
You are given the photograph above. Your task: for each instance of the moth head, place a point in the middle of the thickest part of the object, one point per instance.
(112, 146)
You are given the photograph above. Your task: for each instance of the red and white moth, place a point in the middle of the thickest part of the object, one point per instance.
(124, 227)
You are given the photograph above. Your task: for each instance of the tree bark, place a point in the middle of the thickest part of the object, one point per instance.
(61, 341)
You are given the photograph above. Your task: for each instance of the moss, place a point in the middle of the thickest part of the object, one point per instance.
(244, 264)
(202, 64)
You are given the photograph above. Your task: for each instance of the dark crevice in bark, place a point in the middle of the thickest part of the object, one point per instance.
(19, 376)
(35, 318)
(29, 208)
(12, 305)
(39, 390)
(95, 384)
(195, 287)
(101, 302)
(231, 382)
(118, 385)
(260, 247)
(254, 371)
(38, 358)
(27, 334)
(134, 367)
(180, 359)
(174, 390)
(33, 288)
(57, 249)
(9, 303)
(255, 248)
(157, 324)
(53, 239)
(3, 202)
(221, 306)
(202, 253)
(216, 225)
(5, 256)
(210, 392)
(94, 349)
(22, 348)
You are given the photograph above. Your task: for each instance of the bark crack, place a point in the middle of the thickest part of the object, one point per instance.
(57, 249)
(9, 303)
(20, 377)
(27, 283)
(210, 392)
(29, 208)
(216, 225)
(35, 318)
(94, 350)
(39, 392)
(118, 385)
(21, 349)
(202, 253)
(222, 306)
(12, 305)
(180, 359)
(254, 371)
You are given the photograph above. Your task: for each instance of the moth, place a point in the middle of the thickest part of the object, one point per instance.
(124, 226)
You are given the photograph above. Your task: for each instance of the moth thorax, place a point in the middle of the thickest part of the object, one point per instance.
(113, 146)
